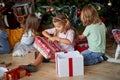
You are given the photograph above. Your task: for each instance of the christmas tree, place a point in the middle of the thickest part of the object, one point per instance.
(108, 10)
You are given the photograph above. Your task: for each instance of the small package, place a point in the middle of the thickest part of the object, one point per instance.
(2, 71)
(82, 46)
(16, 73)
(69, 64)
(45, 48)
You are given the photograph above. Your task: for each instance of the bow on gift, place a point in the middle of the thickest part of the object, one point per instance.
(39, 15)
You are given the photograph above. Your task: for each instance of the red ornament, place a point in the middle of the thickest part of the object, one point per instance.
(103, 19)
(116, 13)
(48, 10)
(50, 0)
(81, 0)
(78, 11)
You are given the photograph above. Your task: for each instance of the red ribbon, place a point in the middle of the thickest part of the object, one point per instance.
(65, 52)
(70, 67)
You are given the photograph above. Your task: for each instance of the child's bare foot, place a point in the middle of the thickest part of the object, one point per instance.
(52, 60)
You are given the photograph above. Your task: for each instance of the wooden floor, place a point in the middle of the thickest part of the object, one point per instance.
(103, 71)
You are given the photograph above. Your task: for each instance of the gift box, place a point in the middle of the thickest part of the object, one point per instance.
(82, 46)
(16, 73)
(2, 71)
(69, 64)
(116, 35)
(45, 48)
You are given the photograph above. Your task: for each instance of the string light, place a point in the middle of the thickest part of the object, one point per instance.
(109, 3)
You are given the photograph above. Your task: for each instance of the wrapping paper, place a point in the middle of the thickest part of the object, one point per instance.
(16, 73)
(81, 46)
(45, 48)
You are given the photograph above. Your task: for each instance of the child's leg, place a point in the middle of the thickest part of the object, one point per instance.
(91, 57)
(33, 66)
(96, 58)
(86, 57)
(44, 60)
(4, 47)
(38, 60)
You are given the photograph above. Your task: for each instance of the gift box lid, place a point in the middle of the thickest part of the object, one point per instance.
(70, 54)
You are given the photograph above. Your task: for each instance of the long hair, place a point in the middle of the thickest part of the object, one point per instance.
(2, 26)
(89, 15)
(63, 19)
(32, 23)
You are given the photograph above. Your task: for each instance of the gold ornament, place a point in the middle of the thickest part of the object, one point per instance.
(52, 9)
(98, 7)
(109, 3)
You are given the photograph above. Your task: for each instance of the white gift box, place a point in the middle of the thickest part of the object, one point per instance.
(2, 72)
(69, 64)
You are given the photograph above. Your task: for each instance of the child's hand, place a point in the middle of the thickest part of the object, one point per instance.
(81, 37)
(52, 39)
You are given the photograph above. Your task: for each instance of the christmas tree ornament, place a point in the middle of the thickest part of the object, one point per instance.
(81, 0)
(78, 11)
(48, 9)
(109, 3)
(103, 19)
(51, 9)
(39, 15)
(2, 4)
(98, 7)
(50, 0)
(117, 13)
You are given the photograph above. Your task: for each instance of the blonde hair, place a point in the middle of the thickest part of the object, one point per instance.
(63, 19)
(89, 15)
(32, 22)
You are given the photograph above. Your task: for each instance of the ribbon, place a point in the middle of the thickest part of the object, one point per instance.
(70, 67)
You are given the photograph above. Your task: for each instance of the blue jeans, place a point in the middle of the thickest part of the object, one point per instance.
(90, 57)
(4, 44)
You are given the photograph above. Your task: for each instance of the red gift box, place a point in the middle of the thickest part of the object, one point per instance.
(15, 74)
(45, 48)
(82, 46)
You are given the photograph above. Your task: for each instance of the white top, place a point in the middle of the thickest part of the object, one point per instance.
(27, 38)
(68, 35)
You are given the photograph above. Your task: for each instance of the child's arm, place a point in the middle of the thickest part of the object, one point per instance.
(81, 36)
(62, 40)
(46, 34)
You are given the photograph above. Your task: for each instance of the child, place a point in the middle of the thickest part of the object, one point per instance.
(95, 32)
(62, 33)
(30, 30)
(4, 44)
